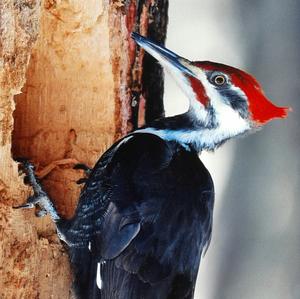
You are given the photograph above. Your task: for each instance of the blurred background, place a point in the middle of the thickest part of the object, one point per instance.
(255, 249)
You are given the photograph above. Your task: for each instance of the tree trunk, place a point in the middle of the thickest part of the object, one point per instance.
(84, 88)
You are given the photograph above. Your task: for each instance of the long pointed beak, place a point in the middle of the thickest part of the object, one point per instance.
(163, 55)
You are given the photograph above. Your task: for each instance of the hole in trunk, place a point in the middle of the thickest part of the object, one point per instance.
(67, 108)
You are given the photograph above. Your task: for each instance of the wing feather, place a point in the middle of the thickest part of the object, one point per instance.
(141, 214)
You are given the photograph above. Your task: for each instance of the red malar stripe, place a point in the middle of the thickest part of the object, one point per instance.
(261, 108)
(199, 90)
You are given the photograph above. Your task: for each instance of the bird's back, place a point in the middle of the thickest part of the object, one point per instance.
(152, 203)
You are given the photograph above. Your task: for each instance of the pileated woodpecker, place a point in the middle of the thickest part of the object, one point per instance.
(144, 216)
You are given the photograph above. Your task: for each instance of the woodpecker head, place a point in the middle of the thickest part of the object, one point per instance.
(223, 101)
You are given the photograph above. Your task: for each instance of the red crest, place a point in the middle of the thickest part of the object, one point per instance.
(261, 108)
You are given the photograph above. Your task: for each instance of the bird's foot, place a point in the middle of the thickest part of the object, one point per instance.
(87, 171)
(40, 198)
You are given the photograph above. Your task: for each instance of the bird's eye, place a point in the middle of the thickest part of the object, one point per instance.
(219, 80)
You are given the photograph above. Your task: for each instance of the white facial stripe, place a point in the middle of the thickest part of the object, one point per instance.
(181, 81)
(185, 85)
(229, 121)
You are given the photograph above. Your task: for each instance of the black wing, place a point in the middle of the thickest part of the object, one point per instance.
(142, 222)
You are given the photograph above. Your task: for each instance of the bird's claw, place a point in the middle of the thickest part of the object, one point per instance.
(81, 181)
(40, 197)
(87, 170)
(30, 205)
(41, 213)
(25, 206)
(23, 167)
(83, 167)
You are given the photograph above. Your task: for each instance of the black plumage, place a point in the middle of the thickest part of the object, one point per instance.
(146, 210)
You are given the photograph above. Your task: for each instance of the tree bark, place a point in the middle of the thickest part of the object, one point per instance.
(82, 89)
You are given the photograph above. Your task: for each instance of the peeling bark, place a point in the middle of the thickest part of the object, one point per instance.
(81, 90)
